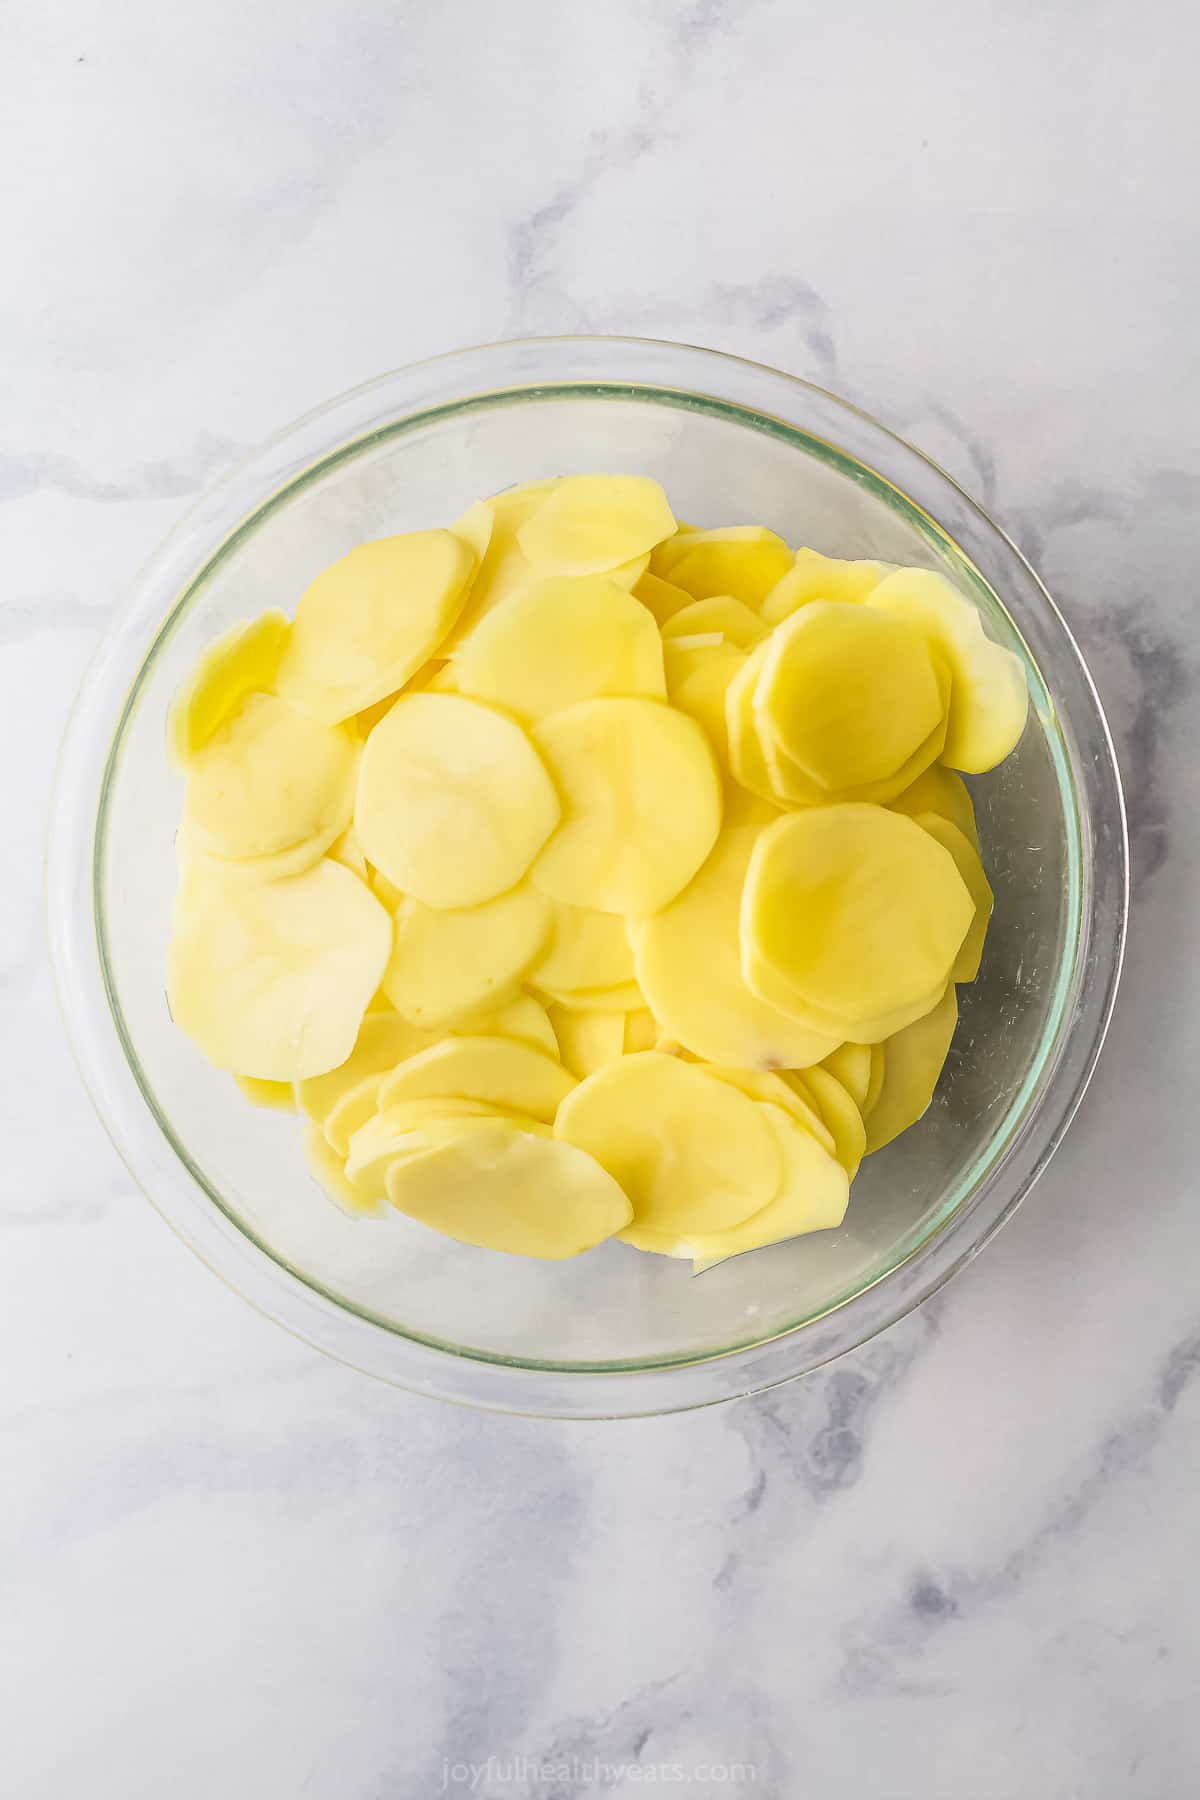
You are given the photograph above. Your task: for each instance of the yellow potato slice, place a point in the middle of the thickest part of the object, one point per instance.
(848, 693)
(524, 1018)
(856, 909)
(348, 851)
(817, 577)
(813, 1193)
(641, 802)
(851, 1065)
(448, 964)
(912, 1063)
(272, 979)
(989, 698)
(510, 1190)
(559, 642)
(842, 1117)
(746, 561)
(688, 963)
(732, 618)
(475, 527)
(244, 661)
(453, 802)
(267, 779)
(940, 790)
(587, 949)
(504, 570)
(779, 1089)
(351, 1110)
(275, 1096)
(746, 760)
(591, 523)
(875, 1088)
(641, 1031)
(770, 985)
(626, 997)
(384, 1039)
(588, 1040)
(197, 864)
(406, 1131)
(698, 676)
(501, 1072)
(966, 861)
(369, 621)
(662, 598)
(691, 1152)
(328, 1170)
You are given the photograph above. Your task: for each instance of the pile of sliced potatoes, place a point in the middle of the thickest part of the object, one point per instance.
(579, 873)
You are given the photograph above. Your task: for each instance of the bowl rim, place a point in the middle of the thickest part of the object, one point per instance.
(236, 503)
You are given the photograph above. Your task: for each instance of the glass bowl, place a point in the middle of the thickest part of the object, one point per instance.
(614, 1333)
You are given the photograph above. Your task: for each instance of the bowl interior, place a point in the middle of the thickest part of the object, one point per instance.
(613, 1307)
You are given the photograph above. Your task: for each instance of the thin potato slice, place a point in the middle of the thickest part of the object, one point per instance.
(641, 1031)
(369, 621)
(591, 523)
(662, 598)
(407, 1131)
(588, 1040)
(641, 804)
(384, 1039)
(587, 949)
(453, 802)
(875, 1088)
(625, 997)
(848, 693)
(698, 678)
(989, 698)
(501, 1072)
(746, 561)
(475, 528)
(507, 1189)
(448, 964)
(688, 962)
(559, 642)
(196, 864)
(939, 790)
(842, 1117)
(274, 1096)
(746, 759)
(856, 908)
(524, 1018)
(770, 985)
(273, 979)
(691, 1152)
(328, 1170)
(969, 866)
(851, 1065)
(244, 661)
(351, 1110)
(817, 577)
(780, 1089)
(269, 778)
(504, 570)
(913, 1060)
(812, 1196)
(732, 618)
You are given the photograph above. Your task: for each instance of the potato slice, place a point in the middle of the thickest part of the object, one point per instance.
(690, 1151)
(812, 1196)
(966, 861)
(448, 964)
(475, 528)
(912, 1062)
(503, 570)
(587, 949)
(384, 1039)
(850, 906)
(196, 864)
(688, 962)
(698, 676)
(746, 561)
(848, 693)
(851, 1065)
(732, 618)
(782, 1089)
(507, 1189)
(625, 997)
(588, 1040)
(770, 985)
(328, 1170)
(559, 642)
(244, 661)
(641, 804)
(351, 1110)
(940, 790)
(453, 802)
(274, 1096)
(746, 760)
(269, 778)
(501, 1072)
(370, 620)
(524, 1018)
(402, 1132)
(842, 1117)
(272, 979)
(989, 698)
(641, 1031)
(591, 523)
(878, 1067)
(817, 577)
(663, 598)
(347, 850)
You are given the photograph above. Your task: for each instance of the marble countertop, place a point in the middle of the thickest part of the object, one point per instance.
(960, 1562)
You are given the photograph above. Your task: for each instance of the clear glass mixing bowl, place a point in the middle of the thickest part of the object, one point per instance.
(615, 1332)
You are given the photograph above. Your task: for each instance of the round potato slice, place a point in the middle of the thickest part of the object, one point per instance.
(817, 577)
(244, 661)
(588, 1040)
(746, 760)
(940, 790)
(969, 866)
(848, 693)
(269, 778)
(501, 1072)
(591, 523)
(475, 527)
(448, 964)
(688, 962)
(503, 570)
(524, 1018)
(857, 910)
(875, 1088)
(812, 1196)
(453, 802)
(587, 949)
(698, 677)
(691, 1152)
(851, 1065)
(508, 1189)
(559, 642)
(274, 1096)
(912, 1062)
(273, 979)
(746, 561)
(662, 598)
(369, 621)
(783, 1089)
(732, 618)
(402, 1132)
(989, 698)
(384, 1039)
(842, 1117)
(641, 802)
(195, 863)
(328, 1170)
(768, 983)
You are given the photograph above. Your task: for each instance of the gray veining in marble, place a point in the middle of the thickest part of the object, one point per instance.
(961, 1562)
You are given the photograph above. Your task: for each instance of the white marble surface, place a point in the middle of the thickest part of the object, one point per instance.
(961, 1562)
